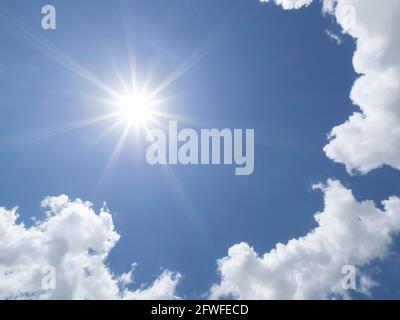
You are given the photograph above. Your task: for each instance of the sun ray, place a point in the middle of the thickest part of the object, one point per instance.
(186, 208)
(108, 131)
(194, 58)
(114, 156)
(35, 41)
(36, 135)
(130, 41)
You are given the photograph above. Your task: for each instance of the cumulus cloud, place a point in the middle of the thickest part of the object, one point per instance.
(371, 136)
(74, 242)
(348, 232)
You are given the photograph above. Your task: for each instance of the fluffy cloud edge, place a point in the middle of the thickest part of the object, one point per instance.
(370, 138)
(310, 267)
(348, 232)
(74, 242)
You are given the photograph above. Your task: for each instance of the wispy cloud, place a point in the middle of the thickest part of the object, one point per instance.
(333, 36)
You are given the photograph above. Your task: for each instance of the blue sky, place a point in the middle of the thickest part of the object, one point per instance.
(263, 68)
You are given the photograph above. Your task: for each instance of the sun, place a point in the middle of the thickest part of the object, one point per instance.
(136, 109)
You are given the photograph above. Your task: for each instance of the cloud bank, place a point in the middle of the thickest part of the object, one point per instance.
(348, 232)
(76, 242)
(371, 136)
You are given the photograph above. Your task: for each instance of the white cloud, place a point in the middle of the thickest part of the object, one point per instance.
(162, 288)
(291, 4)
(333, 36)
(348, 233)
(371, 136)
(76, 242)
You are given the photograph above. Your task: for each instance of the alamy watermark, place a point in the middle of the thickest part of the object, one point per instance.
(203, 147)
(44, 276)
(49, 279)
(349, 280)
(49, 20)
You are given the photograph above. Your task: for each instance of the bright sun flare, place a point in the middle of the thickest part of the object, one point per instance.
(136, 109)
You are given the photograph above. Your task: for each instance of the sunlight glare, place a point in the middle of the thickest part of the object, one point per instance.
(136, 109)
